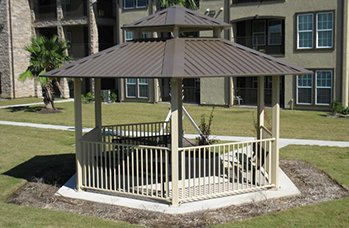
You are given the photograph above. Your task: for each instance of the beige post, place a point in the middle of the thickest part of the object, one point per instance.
(78, 131)
(98, 102)
(260, 107)
(275, 130)
(175, 122)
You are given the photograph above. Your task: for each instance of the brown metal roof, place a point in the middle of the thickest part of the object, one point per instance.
(181, 57)
(177, 16)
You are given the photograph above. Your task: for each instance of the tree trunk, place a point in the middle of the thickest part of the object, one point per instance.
(48, 96)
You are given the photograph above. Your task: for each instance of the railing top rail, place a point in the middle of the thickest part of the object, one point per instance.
(115, 125)
(266, 130)
(225, 144)
(127, 145)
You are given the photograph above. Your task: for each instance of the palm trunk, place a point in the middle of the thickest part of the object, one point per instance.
(48, 96)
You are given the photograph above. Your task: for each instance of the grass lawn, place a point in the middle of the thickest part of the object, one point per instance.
(233, 121)
(27, 100)
(332, 160)
(18, 145)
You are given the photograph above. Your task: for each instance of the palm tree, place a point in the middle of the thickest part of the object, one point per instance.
(45, 55)
(190, 4)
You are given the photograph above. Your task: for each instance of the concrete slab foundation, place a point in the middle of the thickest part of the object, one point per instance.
(287, 189)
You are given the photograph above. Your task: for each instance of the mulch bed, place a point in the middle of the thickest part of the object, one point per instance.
(315, 186)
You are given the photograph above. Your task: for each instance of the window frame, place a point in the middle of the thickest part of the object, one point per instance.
(305, 87)
(258, 33)
(137, 90)
(312, 31)
(323, 87)
(317, 30)
(125, 36)
(269, 34)
(135, 5)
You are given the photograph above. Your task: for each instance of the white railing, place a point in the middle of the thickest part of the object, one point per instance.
(151, 134)
(127, 169)
(224, 169)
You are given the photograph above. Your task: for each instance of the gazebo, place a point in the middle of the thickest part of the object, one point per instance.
(148, 159)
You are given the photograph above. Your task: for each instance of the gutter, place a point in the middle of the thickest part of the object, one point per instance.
(11, 47)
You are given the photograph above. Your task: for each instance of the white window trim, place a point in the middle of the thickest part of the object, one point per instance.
(135, 5)
(323, 87)
(126, 89)
(137, 83)
(323, 30)
(138, 90)
(125, 36)
(304, 87)
(269, 33)
(312, 32)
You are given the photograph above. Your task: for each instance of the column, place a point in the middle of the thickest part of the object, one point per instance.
(345, 71)
(98, 102)
(176, 87)
(260, 106)
(78, 131)
(275, 130)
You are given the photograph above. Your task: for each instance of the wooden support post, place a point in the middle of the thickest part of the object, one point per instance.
(260, 107)
(78, 131)
(98, 103)
(275, 130)
(176, 86)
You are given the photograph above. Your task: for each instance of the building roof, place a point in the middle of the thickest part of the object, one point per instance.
(177, 16)
(179, 57)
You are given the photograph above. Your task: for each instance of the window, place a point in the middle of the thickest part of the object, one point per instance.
(132, 4)
(320, 83)
(128, 35)
(322, 27)
(275, 32)
(137, 88)
(324, 30)
(304, 89)
(305, 31)
(259, 33)
(323, 86)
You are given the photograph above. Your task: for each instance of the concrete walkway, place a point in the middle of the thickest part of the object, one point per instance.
(283, 142)
(31, 104)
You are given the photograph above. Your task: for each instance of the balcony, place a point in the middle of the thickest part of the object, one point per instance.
(255, 1)
(45, 11)
(74, 9)
(106, 9)
(262, 43)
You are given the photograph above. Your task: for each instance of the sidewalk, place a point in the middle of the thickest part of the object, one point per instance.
(282, 143)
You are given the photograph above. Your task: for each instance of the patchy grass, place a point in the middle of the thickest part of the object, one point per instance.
(25, 152)
(332, 160)
(26, 100)
(226, 121)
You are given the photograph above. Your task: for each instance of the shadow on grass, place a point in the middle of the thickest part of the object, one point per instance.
(34, 109)
(49, 169)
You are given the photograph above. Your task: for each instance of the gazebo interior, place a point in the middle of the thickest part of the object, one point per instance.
(149, 160)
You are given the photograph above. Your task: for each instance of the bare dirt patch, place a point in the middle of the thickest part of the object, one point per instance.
(315, 186)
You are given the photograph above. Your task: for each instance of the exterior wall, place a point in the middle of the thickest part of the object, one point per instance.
(5, 56)
(312, 59)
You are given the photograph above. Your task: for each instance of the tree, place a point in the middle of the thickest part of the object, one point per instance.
(190, 4)
(45, 55)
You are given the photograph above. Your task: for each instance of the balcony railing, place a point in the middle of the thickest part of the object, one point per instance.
(75, 9)
(45, 12)
(106, 9)
(273, 45)
(135, 160)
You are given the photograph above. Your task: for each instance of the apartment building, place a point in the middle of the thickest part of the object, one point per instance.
(310, 33)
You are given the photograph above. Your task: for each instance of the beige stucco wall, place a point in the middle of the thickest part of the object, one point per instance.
(309, 59)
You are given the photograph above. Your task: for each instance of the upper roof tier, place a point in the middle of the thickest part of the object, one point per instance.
(179, 17)
(177, 58)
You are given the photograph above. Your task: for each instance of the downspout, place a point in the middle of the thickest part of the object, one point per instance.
(11, 47)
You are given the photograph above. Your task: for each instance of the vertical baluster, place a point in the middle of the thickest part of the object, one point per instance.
(119, 150)
(142, 171)
(161, 174)
(214, 169)
(110, 167)
(269, 164)
(205, 174)
(209, 170)
(239, 168)
(146, 170)
(129, 151)
(156, 172)
(199, 171)
(124, 151)
(114, 165)
(151, 171)
(132, 170)
(183, 172)
(191, 175)
(166, 173)
(219, 169)
(232, 167)
(137, 170)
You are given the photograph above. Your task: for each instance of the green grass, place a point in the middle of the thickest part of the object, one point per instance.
(18, 145)
(28, 100)
(332, 160)
(233, 121)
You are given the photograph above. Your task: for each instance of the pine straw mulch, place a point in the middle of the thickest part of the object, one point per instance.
(315, 186)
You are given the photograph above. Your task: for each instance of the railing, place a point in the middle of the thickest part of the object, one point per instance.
(151, 134)
(269, 44)
(126, 169)
(45, 12)
(224, 169)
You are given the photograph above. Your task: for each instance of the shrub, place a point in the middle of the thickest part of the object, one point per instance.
(87, 98)
(345, 111)
(205, 128)
(336, 107)
(113, 97)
